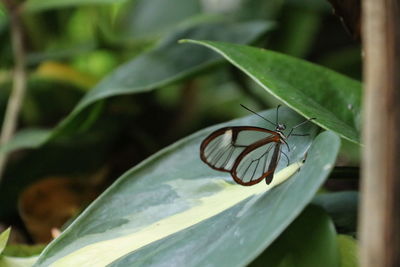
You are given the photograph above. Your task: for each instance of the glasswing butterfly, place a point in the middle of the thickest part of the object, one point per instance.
(250, 154)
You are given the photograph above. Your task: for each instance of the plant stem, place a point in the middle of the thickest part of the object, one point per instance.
(19, 81)
(380, 198)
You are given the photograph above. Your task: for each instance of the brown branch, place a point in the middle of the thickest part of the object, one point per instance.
(379, 215)
(19, 80)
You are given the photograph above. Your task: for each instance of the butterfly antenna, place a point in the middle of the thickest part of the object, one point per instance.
(258, 115)
(277, 113)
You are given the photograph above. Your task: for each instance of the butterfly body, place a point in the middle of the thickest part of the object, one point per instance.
(250, 154)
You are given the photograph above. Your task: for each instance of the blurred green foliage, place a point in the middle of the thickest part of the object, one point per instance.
(88, 50)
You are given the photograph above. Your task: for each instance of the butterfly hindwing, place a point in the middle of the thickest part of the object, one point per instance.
(257, 162)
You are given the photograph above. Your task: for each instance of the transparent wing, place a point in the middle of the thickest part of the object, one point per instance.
(256, 163)
(221, 149)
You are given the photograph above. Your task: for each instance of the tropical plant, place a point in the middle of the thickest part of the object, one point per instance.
(118, 97)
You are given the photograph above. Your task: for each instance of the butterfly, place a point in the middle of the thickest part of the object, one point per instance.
(250, 154)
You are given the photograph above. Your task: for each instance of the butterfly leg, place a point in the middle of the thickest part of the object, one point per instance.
(287, 158)
(300, 134)
(291, 131)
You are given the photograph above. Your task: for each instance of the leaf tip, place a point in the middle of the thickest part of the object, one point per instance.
(4, 238)
(182, 41)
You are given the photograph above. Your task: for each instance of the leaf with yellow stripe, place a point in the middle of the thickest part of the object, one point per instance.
(174, 210)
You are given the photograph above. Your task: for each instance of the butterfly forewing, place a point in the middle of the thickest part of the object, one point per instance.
(245, 152)
(220, 150)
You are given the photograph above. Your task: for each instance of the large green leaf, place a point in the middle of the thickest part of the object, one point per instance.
(168, 62)
(308, 241)
(311, 90)
(173, 209)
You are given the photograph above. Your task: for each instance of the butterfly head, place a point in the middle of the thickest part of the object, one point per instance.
(280, 127)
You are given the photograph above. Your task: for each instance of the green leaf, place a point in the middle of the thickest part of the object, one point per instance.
(348, 251)
(298, 31)
(252, 9)
(23, 250)
(3, 18)
(28, 138)
(311, 90)
(12, 261)
(7, 261)
(308, 241)
(342, 207)
(167, 62)
(41, 5)
(3, 239)
(163, 65)
(174, 210)
(146, 18)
